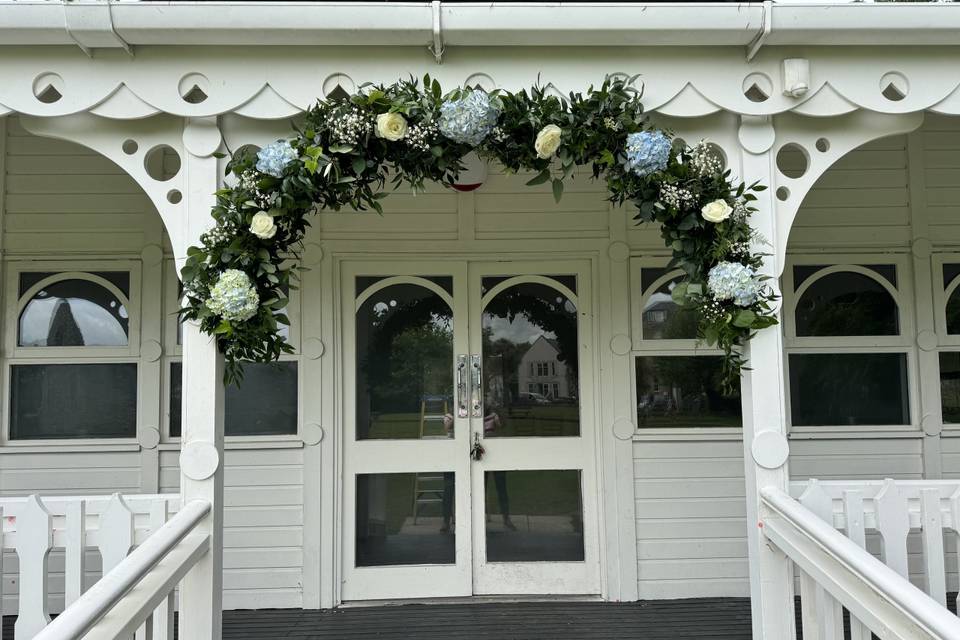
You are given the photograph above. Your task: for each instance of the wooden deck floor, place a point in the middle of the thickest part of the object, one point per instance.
(696, 619)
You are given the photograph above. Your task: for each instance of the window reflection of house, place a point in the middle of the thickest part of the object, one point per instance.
(541, 372)
(658, 311)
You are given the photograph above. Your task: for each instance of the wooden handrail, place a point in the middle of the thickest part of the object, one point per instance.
(877, 595)
(83, 614)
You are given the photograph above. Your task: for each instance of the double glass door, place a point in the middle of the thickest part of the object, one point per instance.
(468, 435)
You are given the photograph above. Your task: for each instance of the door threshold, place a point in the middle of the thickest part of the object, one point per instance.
(470, 600)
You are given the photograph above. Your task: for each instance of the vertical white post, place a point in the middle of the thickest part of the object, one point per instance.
(75, 551)
(201, 455)
(34, 540)
(162, 626)
(764, 407)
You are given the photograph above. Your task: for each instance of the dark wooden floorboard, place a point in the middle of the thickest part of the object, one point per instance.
(696, 619)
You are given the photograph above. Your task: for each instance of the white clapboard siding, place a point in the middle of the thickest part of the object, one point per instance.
(263, 525)
(691, 520)
(941, 173)
(64, 198)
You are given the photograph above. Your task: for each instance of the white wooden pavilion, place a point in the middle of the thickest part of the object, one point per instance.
(630, 476)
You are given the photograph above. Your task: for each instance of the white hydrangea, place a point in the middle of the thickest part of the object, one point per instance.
(234, 297)
(734, 281)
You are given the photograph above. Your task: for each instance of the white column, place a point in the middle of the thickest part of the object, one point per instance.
(201, 455)
(764, 410)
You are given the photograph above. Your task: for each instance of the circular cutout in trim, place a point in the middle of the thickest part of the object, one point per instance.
(162, 162)
(783, 194)
(792, 160)
(894, 86)
(48, 88)
(130, 146)
(757, 87)
(194, 88)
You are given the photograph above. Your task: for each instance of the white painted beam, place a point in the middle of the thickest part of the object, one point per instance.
(490, 23)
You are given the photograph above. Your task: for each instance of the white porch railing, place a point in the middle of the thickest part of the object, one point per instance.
(34, 526)
(837, 572)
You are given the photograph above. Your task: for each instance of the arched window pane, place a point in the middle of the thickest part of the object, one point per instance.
(530, 363)
(953, 313)
(73, 313)
(664, 319)
(404, 346)
(847, 304)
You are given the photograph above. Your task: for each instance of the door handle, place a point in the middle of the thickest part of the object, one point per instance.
(477, 394)
(461, 387)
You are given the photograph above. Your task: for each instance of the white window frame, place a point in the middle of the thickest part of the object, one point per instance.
(941, 295)
(16, 355)
(946, 343)
(173, 351)
(903, 296)
(667, 348)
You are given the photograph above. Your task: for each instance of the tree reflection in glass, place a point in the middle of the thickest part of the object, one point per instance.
(664, 319)
(847, 304)
(404, 364)
(530, 363)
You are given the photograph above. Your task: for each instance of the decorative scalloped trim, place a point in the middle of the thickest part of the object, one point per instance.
(124, 104)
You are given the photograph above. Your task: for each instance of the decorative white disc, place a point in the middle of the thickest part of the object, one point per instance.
(620, 344)
(151, 350)
(202, 137)
(313, 253)
(199, 460)
(618, 251)
(623, 429)
(927, 340)
(770, 449)
(931, 426)
(149, 437)
(312, 434)
(313, 348)
(922, 248)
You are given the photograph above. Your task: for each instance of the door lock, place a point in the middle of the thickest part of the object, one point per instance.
(477, 450)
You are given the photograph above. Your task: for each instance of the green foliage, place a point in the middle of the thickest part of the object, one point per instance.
(342, 164)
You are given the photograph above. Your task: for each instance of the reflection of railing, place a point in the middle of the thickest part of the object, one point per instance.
(114, 525)
(836, 572)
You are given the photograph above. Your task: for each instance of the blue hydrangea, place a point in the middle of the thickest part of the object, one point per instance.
(234, 297)
(647, 152)
(734, 281)
(275, 157)
(470, 119)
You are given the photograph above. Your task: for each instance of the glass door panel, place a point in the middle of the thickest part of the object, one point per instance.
(406, 459)
(404, 346)
(534, 502)
(530, 362)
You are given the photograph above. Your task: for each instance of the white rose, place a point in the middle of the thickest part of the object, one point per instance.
(548, 141)
(716, 211)
(262, 226)
(391, 126)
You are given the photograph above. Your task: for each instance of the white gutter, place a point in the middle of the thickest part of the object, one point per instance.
(37, 22)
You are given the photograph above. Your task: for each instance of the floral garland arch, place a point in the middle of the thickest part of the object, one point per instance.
(236, 284)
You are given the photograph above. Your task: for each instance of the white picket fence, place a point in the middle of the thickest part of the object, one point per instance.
(836, 571)
(34, 526)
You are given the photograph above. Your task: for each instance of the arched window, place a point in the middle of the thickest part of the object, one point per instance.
(846, 303)
(73, 373)
(677, 378)
(74, 312)
(848, 349)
